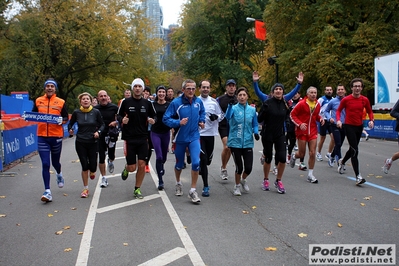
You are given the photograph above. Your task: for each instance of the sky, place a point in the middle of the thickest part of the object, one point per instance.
(171, 11)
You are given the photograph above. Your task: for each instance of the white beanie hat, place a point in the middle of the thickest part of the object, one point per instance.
(138, 81)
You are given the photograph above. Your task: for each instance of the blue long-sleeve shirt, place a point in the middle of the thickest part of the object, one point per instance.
(263, 97)
(182, 107)
(331, 110)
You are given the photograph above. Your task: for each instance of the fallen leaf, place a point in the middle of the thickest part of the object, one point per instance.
(370, 174)
(253, 207)
(396, 209)
(56, 211)
(126, 244)
(2, 197)
(392, 186)
(362, 204)
(270, 249)
(245, 212)
(67, 249)
(302, 235)
(59, 232)
(185, 227)
(73, 208)
(51, 172)
(80, 233)
(18, 224)
(2, 215)
(75, 180)
(65, 194)
(339, 225)
(367, 198)
(329, 233)
(67, 227)
(50, 215)
(378, 176)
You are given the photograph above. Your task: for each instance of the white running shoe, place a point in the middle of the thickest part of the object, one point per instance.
(319, 157)
(237, 190)
(104, 182)
(387, 166)
(244, 185)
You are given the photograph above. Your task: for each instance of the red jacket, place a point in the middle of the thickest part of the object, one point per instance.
(302, 114)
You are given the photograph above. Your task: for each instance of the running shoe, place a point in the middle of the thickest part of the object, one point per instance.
(193, 195)
(360, 180)
(244, 185)
(125, 174)
(184, 165)
(92, 175)
(85, 193)
(147, 168)
(205, 192)
(341, 167)
(331, 161)
(387, 166)
(179, 190)
(262, 159)
(295, 148)
(188, 159)
(328, 156)
(237, 190)
(275, 171)
(312, 179)
(367, 137)
(223, 174)
(104, 182)
(336, 159)
(160, 185)
(292, 161)
(319, 157)
(60, 180)
(137, 194)
(265, 185)
(279, 186)
(302, 167)
(47, 197)
(288, 158)
(110, 166)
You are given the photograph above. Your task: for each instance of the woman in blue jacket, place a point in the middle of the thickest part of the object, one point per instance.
(242, 124)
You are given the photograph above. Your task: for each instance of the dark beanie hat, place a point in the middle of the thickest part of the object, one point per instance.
(277, 85)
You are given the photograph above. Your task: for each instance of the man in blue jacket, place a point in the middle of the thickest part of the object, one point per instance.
(188, 114)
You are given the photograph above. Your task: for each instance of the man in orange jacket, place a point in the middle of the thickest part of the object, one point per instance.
(50, 135)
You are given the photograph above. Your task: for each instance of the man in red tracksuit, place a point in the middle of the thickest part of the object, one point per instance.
(305, 116)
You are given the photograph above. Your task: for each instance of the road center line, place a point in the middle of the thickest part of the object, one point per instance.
(377, 186)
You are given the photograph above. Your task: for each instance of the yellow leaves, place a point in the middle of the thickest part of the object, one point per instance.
(126, 244)
(245, 212)
(396, 209)
(80, 233)
(2, 197)
(270, 249)
(59, 232)
(75, 161)
(50, 215)
(253, 207)
(362, 204)
(302, 235)
(339, 225)
(67, 249)
(3, 215)
(367, 198)
(378, 176)
(67, 227)
(73, 208)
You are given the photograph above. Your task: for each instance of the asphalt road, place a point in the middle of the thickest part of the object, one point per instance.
(112, 228)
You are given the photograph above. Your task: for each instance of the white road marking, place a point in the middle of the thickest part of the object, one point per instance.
(163, 259)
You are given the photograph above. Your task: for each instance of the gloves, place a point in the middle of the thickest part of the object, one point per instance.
(213, 117)
(256, 136)
(233, 101)
(59, 120)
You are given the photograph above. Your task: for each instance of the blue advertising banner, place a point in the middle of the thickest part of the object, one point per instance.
(40, 117)
(383, 129)
(19, 142)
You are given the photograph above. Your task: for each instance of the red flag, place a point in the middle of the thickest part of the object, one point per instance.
(260, 30)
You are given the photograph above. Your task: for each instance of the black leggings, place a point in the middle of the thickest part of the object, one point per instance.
(279, 146)
(353, 134)
(87, 153)
(206, 155)
(240, 155)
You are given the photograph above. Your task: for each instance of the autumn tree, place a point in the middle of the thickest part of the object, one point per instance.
(84, 45)
(331, 41)
(216, 42)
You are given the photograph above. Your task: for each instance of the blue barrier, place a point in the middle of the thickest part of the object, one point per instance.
(19, 142)
(383, 129)
(11, 105)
